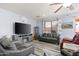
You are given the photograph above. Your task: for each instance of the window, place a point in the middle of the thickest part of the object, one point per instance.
(49, 26)
(54, 25)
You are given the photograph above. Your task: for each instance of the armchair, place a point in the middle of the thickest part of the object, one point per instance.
(72, 42)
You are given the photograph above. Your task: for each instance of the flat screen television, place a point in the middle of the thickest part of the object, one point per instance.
(21, 28)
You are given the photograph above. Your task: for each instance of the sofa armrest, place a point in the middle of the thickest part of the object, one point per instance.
(65, 40)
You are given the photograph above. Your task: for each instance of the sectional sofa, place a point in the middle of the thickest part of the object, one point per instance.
(15, 48)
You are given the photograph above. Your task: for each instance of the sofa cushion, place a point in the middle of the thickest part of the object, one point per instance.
(5, 41)
(21, 46)
(67, 52)
(71, 46)
(76, 38)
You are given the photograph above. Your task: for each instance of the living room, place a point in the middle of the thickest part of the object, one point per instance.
(39, 29)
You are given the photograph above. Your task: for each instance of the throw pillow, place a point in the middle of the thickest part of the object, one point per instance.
(5, 41)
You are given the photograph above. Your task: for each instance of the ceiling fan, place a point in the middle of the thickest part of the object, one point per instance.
(61, 5)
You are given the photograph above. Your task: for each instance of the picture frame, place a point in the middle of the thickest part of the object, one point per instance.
(67, 25)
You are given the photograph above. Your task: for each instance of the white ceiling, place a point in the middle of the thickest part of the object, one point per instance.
(37, 9)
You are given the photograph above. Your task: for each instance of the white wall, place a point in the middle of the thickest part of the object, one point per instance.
(40, 25)
(7, 19)
(68, 33)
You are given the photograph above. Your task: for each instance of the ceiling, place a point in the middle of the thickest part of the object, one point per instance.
(37, 10)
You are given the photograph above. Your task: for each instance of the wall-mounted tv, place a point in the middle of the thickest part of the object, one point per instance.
(21, 28)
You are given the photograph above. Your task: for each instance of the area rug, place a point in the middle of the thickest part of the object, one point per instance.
(40, 46)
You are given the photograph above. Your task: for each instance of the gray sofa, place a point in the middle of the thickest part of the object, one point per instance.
(50, 37)
(15, 48)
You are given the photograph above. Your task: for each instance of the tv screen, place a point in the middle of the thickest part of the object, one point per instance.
(21, 28)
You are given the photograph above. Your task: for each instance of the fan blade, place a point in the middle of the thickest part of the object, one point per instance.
(58, 9)
(55, 3)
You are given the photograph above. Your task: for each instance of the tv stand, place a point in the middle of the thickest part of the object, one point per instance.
(24, 37)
